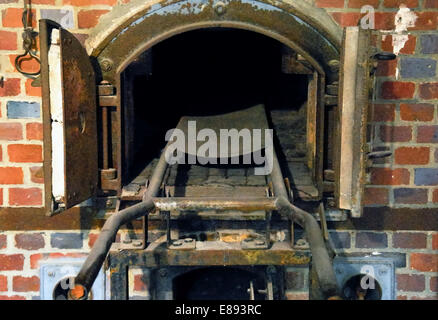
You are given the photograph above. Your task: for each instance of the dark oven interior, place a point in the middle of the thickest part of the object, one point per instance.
(207, 72)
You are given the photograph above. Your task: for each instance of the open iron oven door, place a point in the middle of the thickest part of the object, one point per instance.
(351, 133)
(69, 117)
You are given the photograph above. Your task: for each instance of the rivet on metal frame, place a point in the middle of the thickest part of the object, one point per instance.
(106, 65)
(251, 244)
(334, 65)
(220, 8)
(163, 273)
(183, 244)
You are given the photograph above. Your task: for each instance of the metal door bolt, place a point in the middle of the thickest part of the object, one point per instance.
(137, 243)
(302, 243)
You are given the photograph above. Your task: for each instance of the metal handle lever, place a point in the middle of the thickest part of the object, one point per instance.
(379, 154)
(384, 56)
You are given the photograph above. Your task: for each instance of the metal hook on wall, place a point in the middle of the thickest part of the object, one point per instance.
(29, 41)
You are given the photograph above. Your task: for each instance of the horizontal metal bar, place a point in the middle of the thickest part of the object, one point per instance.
(207, 253)
(195, 204)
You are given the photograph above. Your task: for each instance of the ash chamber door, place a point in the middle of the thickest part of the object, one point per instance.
(217, 283)
(209, 72)
(69, 116)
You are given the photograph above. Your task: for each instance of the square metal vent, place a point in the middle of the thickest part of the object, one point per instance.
(365, 278)
(54, 281)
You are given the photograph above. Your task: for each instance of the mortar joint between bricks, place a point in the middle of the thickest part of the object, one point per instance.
(389, 239)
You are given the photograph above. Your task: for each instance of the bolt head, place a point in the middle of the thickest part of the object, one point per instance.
(162, 273)
(127, 240)
(260, 242)
(302, 243)
(220, 8)
(137, 243)
(106, 65)
(271, 269)
(334, 65)
(383, 271)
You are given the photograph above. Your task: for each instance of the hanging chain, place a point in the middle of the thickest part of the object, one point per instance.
(29, 41)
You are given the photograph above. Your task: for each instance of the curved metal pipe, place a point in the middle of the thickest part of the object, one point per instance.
(95, 259)
(321, 258)
(90, 269)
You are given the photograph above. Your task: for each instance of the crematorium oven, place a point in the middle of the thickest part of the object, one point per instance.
(221, 226)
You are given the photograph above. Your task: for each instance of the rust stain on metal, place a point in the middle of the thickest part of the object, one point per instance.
(223, 257)
(233, 237)
(79, 121)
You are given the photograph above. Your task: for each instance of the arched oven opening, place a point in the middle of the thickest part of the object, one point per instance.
(209, 72)
(164, 64)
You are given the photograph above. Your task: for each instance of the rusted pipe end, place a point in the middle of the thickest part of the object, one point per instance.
(334, 298)
(78, 292)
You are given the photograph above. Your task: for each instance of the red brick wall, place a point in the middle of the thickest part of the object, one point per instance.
(405, 116)
(20, 120)
(405, 109)
(405, 121)
(416, 269)
(21, 254)
(21, 173)
(416, 276)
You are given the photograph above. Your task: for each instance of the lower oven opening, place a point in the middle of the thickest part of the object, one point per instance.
(217, 283)
(209, 72)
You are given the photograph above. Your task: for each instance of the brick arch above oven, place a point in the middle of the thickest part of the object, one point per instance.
(128, 31)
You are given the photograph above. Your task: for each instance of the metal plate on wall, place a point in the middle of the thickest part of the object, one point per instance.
(52, 272)
(381, 269)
